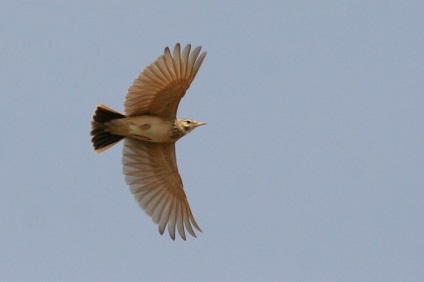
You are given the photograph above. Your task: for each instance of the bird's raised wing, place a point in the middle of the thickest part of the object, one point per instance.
(151, 172)
(160, 87)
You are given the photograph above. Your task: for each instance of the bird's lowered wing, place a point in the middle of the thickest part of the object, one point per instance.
(161, 85)
(151, 172)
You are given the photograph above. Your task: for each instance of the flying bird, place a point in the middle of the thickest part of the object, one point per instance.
(150, 129)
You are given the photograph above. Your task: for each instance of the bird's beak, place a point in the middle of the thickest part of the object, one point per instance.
(199, 123)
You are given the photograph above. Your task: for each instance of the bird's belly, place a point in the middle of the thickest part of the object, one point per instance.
(150, 128)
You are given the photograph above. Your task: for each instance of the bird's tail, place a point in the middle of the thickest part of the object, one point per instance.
(101, 138)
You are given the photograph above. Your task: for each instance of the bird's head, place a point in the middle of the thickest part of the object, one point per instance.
(186, 125)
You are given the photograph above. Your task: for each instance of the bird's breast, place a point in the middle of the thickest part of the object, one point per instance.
(150, 128)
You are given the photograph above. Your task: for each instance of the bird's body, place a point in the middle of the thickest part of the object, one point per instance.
(150, 129)
(147, 128)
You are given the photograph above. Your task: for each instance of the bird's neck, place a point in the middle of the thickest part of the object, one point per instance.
(177, 130)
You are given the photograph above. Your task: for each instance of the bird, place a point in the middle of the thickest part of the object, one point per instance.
(149, 129)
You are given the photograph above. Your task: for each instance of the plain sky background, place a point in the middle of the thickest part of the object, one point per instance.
(311, 167)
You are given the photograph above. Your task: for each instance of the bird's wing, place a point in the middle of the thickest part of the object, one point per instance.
(151, 172)
(160, 87)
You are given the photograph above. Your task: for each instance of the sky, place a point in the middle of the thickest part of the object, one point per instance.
(310, 167)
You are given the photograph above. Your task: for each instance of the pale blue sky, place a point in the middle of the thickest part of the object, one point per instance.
(311, 167)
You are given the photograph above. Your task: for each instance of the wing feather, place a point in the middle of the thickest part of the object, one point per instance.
(197, 65)
(179, 215)
(185, 62)
(177, 59)
(172, 219)
(164, 214)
